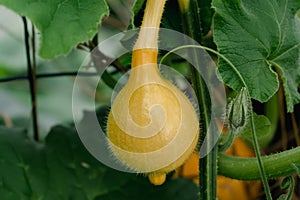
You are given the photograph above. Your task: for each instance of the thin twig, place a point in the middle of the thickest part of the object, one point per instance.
(13, 78)
(33, 77)
(32, 81)
(49, 75)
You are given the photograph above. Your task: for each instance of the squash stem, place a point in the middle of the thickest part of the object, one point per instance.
(145, 50)
(148, 35)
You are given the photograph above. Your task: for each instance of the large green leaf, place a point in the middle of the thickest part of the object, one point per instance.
(61, 168)
(62, 24)
(255, 36)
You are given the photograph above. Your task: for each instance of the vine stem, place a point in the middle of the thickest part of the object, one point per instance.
(276, 165)
(208, 164)
(262, 170)
(31, 70)
(253, 131)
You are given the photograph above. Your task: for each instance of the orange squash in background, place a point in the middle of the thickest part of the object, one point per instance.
(228, 189)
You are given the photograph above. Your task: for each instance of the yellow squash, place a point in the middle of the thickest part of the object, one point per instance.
(152, 126)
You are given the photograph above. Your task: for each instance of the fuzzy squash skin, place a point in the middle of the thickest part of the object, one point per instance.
(152, 126)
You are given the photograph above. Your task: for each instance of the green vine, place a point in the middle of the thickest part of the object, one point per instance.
(208, 164)
(276, 165)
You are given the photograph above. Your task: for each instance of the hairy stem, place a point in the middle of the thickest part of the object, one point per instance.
(145, 49)
(276, 165)
(257, 153)
(208, 164)
(148, 35)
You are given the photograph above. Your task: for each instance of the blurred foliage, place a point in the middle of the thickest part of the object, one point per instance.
(61, 168)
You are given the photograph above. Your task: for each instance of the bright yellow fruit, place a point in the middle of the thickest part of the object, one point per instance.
(152, 126)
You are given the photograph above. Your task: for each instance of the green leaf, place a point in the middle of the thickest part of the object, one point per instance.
(61, 168)
(263, 130)
(62, 24)
(255, 36)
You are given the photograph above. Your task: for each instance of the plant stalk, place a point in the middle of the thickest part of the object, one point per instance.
(31, 73)
(276, 165)
(148, 35)
(208, 164)
(260, 163)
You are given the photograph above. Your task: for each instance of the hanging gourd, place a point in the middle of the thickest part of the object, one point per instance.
(152, 126)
